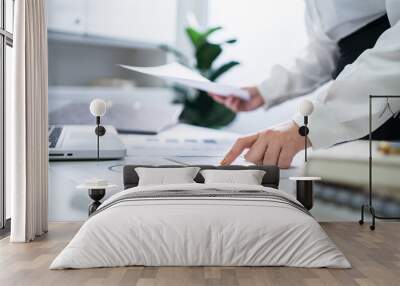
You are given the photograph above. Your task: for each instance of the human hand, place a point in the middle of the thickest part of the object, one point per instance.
(237, 104)
(275, 146)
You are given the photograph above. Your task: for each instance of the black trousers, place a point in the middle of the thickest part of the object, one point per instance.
(350, 48)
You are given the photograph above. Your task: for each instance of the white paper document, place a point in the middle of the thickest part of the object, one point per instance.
(180, 74)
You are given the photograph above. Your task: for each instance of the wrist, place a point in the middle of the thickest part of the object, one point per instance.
(271, 92)
(262, 90)
(255, 101)
(301, 139)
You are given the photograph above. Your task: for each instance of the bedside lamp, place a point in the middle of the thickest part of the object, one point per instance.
(97, 187)
(98, 108)
(304, 185)
(305, 108)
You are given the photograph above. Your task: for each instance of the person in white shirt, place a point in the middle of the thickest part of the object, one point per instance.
(354, 51)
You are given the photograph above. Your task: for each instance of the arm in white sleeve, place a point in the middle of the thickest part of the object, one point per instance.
(308, 72)
(341, 110)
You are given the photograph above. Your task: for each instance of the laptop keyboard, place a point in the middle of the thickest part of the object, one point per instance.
(54, 135)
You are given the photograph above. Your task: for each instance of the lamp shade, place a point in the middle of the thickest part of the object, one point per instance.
(306, 107)
(98, 107)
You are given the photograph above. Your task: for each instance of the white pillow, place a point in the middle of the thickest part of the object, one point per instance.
(248, 177)
(166, 176)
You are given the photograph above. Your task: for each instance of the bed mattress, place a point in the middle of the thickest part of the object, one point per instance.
(201, 225)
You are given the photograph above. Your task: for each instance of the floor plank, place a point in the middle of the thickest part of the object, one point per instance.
(375, 257)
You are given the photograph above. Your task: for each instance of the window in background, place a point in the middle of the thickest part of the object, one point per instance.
(269, 32)
(6, 43)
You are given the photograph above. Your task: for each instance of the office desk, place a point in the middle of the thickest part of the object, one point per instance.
(180, 145)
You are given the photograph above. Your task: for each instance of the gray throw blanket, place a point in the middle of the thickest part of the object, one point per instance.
(205, 194)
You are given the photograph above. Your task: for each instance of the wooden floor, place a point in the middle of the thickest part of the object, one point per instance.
(375, 257)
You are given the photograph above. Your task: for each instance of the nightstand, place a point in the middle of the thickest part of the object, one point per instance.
(96, 191)
(304, 190)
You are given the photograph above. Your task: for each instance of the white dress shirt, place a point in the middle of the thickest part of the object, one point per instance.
(341, 106)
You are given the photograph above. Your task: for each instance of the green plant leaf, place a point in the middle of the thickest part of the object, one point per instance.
(210, 31)
(200, 38)
(222, 69)
(195, 37)
(204, 111)
(206, 55)
(231, 41)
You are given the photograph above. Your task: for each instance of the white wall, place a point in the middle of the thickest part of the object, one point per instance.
(269, 32)
(199, 8)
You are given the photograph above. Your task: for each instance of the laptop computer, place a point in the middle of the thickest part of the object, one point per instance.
(79, 142)
(125, 116)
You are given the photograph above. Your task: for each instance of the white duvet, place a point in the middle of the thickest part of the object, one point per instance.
(200, 231)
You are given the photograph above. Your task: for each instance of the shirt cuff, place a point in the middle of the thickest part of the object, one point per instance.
(325, 130)
(266, 89)
(273, 88)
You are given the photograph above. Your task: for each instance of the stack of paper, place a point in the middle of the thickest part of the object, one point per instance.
(180, 74)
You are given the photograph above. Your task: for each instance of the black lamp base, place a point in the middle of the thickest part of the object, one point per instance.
(304, 193)
(96, 195)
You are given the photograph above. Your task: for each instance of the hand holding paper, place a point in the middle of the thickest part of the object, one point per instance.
(180, 74)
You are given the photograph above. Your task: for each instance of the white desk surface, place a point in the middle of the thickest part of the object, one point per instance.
(180, 145)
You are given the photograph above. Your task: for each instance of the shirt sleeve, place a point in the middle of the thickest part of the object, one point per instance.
(307, 72)
(341, 110)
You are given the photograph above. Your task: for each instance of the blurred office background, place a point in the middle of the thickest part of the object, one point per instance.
(89, 38)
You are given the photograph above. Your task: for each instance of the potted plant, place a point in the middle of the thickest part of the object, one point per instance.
(199, 108)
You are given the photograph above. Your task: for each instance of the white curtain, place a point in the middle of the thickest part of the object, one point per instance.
(27, 123)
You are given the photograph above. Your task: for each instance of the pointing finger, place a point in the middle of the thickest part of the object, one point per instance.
(238, 148)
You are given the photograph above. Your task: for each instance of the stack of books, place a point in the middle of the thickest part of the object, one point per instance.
(348, 165)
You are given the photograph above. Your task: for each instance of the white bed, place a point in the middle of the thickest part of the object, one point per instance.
(259, 226)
